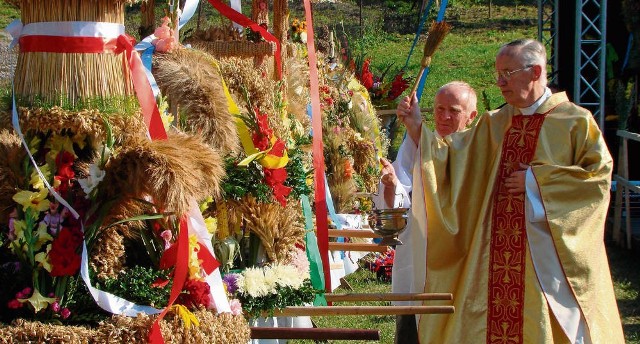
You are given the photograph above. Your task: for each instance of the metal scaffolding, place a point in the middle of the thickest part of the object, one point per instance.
(590, 57)
(548, 34)
(583, 73)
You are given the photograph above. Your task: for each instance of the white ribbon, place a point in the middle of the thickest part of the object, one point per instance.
(198, 228)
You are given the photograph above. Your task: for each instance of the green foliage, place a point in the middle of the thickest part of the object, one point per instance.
(136, 284)
(297, 174)
(241, 181)
(7, 14)
(285, 296)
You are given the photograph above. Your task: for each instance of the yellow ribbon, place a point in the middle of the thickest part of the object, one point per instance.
(264, 158)
(187, 317)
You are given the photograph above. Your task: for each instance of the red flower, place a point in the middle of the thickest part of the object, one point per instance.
(280, 192)
(195, 294)
(63, 256)
(275, 176)
(278, 148)
(366, 77)
(398, 85)
(64, 163)
(260, 141)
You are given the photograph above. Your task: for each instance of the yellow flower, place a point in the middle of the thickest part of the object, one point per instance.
(212, 225)
(18, 231)
(43, 236)
(38, 301)
(204, 205)
(36, 200)
(57, 144)
(34, 144)
(194, 262)
(36, 181)
(43, 259)
(187, 317)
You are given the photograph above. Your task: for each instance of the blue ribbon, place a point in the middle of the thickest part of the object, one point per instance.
(443, 8)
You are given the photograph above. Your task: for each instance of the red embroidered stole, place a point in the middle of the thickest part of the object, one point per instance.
(505, 307)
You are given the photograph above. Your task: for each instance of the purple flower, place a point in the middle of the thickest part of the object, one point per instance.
(231, 281)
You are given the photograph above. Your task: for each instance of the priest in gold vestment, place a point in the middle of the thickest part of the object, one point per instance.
(515, 209)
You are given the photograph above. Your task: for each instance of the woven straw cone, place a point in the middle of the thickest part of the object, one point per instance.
(57, 78)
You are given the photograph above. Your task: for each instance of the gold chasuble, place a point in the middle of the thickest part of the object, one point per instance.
(477, 245)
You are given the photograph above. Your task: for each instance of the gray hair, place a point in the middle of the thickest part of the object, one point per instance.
(472, 98)
(529, 51)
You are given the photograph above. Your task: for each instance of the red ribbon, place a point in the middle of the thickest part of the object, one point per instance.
(208, 262)
(318, 156)
(97, 45)
(179, 278)
(241, 19)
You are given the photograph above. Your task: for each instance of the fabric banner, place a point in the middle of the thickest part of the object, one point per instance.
(318, 155)
(316, 270)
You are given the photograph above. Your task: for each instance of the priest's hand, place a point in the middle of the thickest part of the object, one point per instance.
(408, 112)
(389, 180)
(515, 182)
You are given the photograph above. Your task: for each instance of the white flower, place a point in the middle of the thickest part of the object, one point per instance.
(271, 279)
(288, 275)
(303, 37)
(91, 182)
(254, 283)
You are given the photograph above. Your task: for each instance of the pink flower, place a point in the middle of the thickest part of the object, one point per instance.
(166, 44)
(65, 313)
(236, 307)
(164, 31)
(14, 304)
(55, 307)
(166, 236)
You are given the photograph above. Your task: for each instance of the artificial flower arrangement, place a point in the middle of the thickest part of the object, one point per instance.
(382, 91)
(298, 31)
(353, 138)
(100, 227)
(380, 263)
(262, 290)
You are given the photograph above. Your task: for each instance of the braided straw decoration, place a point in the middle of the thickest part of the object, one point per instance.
(237, 48)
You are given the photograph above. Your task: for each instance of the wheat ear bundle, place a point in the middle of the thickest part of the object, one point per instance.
(435, 36)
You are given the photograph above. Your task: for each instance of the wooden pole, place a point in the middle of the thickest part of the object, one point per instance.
(350, 297)
(360, 310)
(314, 333)
(352, 233)
(352, 246)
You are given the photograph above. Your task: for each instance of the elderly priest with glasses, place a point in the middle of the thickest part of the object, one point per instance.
(515, 212)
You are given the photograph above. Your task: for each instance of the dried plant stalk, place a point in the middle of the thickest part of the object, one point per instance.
(55, 78)
(192, 81)
(278, 228)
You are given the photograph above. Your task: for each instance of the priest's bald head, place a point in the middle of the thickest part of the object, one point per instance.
(521, 72)
(454, 107)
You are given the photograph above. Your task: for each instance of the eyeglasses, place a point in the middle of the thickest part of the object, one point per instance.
(506, 74)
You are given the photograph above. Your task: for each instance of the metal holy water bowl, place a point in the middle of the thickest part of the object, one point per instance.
(388, 223)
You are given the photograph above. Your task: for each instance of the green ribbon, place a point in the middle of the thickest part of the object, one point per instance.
(316, 271)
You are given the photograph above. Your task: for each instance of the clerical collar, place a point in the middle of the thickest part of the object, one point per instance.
(531, 109)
